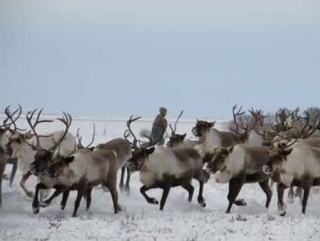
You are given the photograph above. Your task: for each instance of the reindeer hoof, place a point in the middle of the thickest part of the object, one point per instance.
(62, 207)
(153, 201)
(240, 202)
(35, 209)
(282, 214)
(282, 209)
(202, 202)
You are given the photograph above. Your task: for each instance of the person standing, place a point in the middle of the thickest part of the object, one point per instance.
(159, 126)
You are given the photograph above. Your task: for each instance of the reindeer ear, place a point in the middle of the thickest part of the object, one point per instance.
(211, 124)
(150, 150)
(184, 136)
(91, 148)
(230, 149)
(68, 159)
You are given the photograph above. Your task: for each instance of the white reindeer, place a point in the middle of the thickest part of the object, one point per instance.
(164, 168)
(296, 165)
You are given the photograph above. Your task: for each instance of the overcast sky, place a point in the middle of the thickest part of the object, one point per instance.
(126, 57)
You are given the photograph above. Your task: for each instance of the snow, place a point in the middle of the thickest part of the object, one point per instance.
(139, 220)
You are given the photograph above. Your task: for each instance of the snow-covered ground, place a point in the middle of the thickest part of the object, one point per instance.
(139, 220)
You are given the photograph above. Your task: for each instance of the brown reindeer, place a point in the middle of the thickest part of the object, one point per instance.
(80, 171)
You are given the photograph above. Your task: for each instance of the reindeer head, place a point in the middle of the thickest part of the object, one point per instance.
(202, 127)
(139, 157)
(5, 129)
(59, 167)
(140, 153)
(217, 160)
(276, 159)
(16, 142)
(176, 140)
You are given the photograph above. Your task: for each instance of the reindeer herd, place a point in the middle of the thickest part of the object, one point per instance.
(283, 148)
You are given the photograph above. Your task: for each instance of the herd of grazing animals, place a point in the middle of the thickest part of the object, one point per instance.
(284, 149)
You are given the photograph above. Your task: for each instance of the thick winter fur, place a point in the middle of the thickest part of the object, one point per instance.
(18, 148)
(164, 168)
(81, 171)
(237, 165)
(298, 165)
(123, 149)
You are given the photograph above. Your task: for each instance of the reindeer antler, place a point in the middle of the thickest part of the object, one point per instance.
(129, 131)
(10, 116)
(235, 115)
(80, 138)
(66, 120)
(173, 131)
(29, 117)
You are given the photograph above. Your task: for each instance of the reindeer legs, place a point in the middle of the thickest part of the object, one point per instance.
(81, 191)
(265, 187)
(126, 187)
(281, 206)
(190, 190)
(22, 184)
(165, 193)
(305, 197)
(35, 203)
(150, 200)
(235, 185)
(201, 200)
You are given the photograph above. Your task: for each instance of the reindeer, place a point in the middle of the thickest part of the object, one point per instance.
(25, 149)
(80, 171)
(293, 127)
(176, 140)
(123, 149)
(211, 137)
(296, 164)
(165, 168)
(237, 165)
(6, 132)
